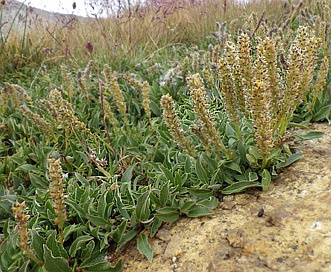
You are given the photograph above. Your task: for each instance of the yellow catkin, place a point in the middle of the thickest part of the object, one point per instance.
(37, 120)
(81, 82)
(301, 63)
(245, 66)
(66, 81)
(145, 92)
(88, 71)
(62, 112)
(22, 225)
(56, 191)
(22, 220)
(109, 114)
(115, 91)
(231, 83)
(321, 81)
(172, 122)
(203, 113)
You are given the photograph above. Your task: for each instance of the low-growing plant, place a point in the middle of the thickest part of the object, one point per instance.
(90, 158)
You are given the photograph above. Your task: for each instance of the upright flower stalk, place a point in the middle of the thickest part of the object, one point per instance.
(265, 85)
(145, 93)
(38, 121)
(301, 64)
(66, 82)
(56, 191)
(204, 116)
(116, 92)
(321, 81)
(22, 227)
(171, 120)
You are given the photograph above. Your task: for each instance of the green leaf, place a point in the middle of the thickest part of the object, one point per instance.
(254, 151)
(155, 108)
(77, 207)
(310, 135)
(210, 163)
(252, 176)
(199, 210)
(99, 221)
(322, 113)
(27, 168)
(54, 264)
(157, 223)
(6, 229)
(16, 159)
(78, 243)
(56, 247)
(103, 266)
(38, 182)
(37, 244)
(71, 229)
(167, 173)
(200, 193)
(187, 205)
(291, 159)
(239, 187)
(253, 162)
(83, 180)
(142, 207)
(91, 254)
(188, 165)
(242, 152)
(209, 203)
(120, 205)
(167, 214)
(201, 172)
(24, 267)
(127, 176)
(103, 204)
(266, 179)
(126, 238)
(119, 231)
(230, 131)
(144, 247)
(164, 194)
(155, 199)
(88, 250)
(233, 166)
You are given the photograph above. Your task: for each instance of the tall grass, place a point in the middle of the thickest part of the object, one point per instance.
(125, 38)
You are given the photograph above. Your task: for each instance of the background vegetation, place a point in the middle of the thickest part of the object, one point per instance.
(110, 127)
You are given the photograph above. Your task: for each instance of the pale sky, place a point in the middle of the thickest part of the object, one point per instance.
(66, 6)
(61, 6)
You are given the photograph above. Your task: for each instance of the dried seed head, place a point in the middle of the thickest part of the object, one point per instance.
(22, 225)
(37, 120)
(203, 113)
(56, 191)
(172, 122)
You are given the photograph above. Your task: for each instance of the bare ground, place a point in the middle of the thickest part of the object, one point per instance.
(293, 234)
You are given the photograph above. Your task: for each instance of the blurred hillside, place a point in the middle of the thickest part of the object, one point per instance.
(16, 15)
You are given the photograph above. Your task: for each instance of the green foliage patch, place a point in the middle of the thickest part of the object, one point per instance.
(92, 159)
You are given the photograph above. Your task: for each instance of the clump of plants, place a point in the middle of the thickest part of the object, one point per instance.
(90, 160)
(261, 86)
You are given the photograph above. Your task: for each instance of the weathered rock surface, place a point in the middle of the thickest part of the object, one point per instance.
(293, 234)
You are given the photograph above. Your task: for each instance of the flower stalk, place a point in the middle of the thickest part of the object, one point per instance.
(204, 115)
(56, 191)
(22, 227)
(171, 120)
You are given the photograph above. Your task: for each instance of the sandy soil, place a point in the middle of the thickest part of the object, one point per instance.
(292, 234)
